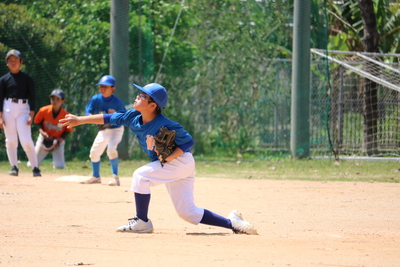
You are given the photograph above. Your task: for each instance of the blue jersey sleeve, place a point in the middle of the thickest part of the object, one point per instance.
(107, 118)
(121, 117)
(186, 147)
(182, 138)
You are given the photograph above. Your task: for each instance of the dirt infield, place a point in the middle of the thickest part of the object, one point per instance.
(45, 222)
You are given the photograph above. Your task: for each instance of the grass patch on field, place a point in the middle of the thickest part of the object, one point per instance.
(283, 169)
(311, 170)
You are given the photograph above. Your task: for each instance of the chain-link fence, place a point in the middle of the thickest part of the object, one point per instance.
(360, 124)
(226, 64)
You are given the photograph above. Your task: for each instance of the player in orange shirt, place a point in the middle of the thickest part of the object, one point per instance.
(52, 134)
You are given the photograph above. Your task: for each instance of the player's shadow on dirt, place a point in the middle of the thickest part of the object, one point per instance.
(219, 234)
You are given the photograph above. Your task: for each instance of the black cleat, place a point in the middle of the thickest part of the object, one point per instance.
(14, 171)
(36, 172)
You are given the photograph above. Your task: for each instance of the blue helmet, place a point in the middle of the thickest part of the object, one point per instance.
(157, 92)
(107, 80)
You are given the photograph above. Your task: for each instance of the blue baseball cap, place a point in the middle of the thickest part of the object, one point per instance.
(58, 93)
(107, 80)
(157, 92)
(13, 52)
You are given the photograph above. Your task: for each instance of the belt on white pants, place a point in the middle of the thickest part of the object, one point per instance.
(16, 100)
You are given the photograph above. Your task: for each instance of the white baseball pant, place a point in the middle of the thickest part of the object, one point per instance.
(16, 116)
(58, 153)
(178, 177)
(109, 138)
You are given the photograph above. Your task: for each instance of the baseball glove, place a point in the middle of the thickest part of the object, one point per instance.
(165, 143)
(102, 127)
(49, 144)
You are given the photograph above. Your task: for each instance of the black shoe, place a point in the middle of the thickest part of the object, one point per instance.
(36, 172)
(14, 171)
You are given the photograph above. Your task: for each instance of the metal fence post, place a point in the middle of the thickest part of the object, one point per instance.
(300, 109)
(119, 59)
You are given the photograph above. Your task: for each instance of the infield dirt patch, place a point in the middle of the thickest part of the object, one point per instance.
(45, 222)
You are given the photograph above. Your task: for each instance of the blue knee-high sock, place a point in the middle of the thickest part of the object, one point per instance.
(96, 169)
(142, 202)
(114, 166)
(212, 218)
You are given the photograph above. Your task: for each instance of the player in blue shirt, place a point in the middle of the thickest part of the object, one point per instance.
(109, 135)
(177, 173)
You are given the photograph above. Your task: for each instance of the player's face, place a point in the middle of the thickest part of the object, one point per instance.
(14, 64)
(106, 90)
(143, 101)
(56, 101)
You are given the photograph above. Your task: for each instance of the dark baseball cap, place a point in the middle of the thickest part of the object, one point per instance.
(58, 93)
(13, 52)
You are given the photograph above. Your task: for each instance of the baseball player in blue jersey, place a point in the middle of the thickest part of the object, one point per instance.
(17, 109)
(177, 174)
(109, 135)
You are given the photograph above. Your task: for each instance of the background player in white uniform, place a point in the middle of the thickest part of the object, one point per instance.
(177, 174)
(17, 109)
(51, 130)
(110, 137)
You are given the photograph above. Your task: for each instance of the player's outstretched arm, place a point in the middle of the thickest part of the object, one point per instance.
(71, 120)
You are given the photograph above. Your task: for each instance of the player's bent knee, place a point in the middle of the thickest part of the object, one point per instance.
(94, 158)
(11, 144)
(112, 154)
(59, 166)
(142, 172)
(189, 215)
(140, 185)
(27, 145)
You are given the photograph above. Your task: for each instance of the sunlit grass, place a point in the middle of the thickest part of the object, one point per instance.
(284, 169)
(314, 170)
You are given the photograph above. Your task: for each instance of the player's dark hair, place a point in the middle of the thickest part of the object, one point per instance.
(158, 109)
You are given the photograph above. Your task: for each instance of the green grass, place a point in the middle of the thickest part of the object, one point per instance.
(283, 169)
(311, 170)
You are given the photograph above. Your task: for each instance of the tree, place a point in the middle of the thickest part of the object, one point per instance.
(39, 42)
(235, 72)
(369, 26)
(370, 91)
(221, 56)
(346, 28)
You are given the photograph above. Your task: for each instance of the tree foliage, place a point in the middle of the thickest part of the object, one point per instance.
(223, 62)
(347, 31)
(370, 26)
(22, 31)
